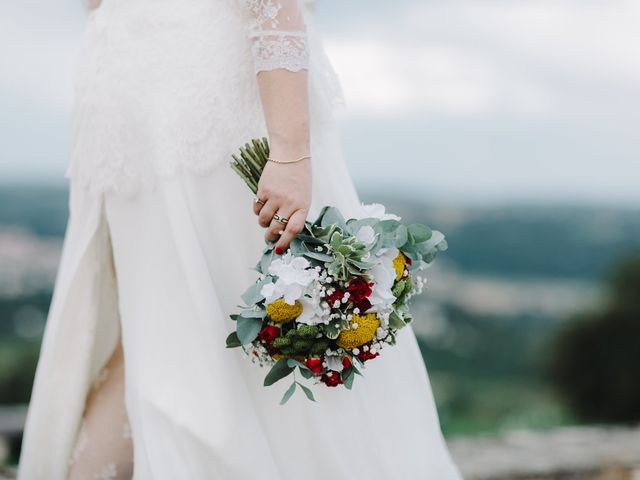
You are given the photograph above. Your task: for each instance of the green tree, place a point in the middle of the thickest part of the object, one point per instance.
(594, 361)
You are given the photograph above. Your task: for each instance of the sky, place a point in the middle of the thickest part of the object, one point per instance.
(458, 100)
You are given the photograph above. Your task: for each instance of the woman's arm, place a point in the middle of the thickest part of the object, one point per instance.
(280, 52)
(92, 4)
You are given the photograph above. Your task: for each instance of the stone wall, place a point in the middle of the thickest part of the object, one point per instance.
(570, 453)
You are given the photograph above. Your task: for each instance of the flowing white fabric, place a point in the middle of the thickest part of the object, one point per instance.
(171, 85)
(166, 93)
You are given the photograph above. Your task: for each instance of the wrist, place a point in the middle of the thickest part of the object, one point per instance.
(288, 151)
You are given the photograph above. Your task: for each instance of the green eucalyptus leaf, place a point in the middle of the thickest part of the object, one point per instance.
(395, 321)
(292, 362)
(288, 393)
(307, 392)
(279, 370)
(253, 313)
(387, 226)
(233, 340)
(309, 239)
(322, 257)
(401, 236)
(248, 329)
(332, 216)
(348, 379)
(252, 294)
(420, 233)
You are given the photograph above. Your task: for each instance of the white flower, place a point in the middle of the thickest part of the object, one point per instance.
(376, 210)
(383, 275)
(334, 362)
(312, 312)
(294, 277)
(366, 234)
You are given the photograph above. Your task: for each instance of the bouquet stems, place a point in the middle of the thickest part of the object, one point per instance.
(250, 164)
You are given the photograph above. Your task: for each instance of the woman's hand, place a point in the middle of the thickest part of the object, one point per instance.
(285, 189)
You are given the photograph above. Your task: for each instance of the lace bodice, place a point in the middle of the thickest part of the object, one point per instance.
(163, 87)
(278, 34)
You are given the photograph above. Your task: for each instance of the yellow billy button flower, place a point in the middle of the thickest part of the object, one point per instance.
(398, 265)
(364, 333)
(280, 311)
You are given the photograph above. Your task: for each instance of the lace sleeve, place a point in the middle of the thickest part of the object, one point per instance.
(278, 35)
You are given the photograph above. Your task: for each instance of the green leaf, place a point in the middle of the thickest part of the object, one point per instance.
(265, 261)
(252, 294)
(253, 313)
(248, 329)
(332, 216)
(348, 379)
(234, 316)
(278, 371)
(288, 393)
(387, 226)
(395, 321)
(293, 363)
(401, 236)
(307, 392)
(355, 370)
(306, 373)
(323, 257)
(419, 232)
(233, 340)
(309, 239)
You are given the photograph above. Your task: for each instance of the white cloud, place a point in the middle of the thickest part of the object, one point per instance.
(469, 58)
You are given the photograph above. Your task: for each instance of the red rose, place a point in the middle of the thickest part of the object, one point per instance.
(331, 381)
(364, 356)
(336, 295)
(408, 260)
(269, 333)
(346, 363)
(314, 364)
(359, 289)
(362, 305)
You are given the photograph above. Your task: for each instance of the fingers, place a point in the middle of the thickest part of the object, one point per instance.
(294, 226)
(257, 206)
(276, 227)
(267, 211)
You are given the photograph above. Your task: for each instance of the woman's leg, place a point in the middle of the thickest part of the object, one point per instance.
(104, 449)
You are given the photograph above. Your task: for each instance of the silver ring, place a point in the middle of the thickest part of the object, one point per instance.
(257, 200)
(280, 219)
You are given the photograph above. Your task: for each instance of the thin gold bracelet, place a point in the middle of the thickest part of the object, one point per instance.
(288, 161)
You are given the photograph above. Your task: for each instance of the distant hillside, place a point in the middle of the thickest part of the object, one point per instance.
(566, 242)
(562, 242)
(40, 209)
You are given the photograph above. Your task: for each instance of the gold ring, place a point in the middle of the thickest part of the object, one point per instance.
(280, 219)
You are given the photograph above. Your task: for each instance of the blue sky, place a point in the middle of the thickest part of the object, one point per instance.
(457, 100)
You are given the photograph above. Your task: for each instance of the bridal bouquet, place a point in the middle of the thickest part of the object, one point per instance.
(337, 297)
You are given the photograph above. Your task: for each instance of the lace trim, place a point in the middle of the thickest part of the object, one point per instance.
(273, 48)
(264, 11)
(280, 50)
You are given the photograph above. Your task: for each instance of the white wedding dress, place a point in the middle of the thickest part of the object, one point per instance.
(160, 245)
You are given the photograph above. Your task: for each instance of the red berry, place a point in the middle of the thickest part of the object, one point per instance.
(314, 364)
(346, 362)
(278, 250)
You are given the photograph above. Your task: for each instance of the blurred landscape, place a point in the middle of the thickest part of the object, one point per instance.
(512, 127)
(511, 277)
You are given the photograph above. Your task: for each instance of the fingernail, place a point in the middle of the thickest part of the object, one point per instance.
(278, 250)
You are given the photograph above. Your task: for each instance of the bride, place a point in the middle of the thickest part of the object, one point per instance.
(134, 379)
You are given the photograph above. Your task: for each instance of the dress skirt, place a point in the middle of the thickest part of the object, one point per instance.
(163, 267)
